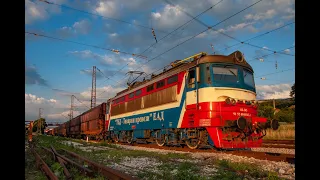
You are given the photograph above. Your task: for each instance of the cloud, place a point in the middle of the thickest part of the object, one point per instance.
(241, 27)
(62, 117)
(31, 37)
(113, 34)
(50, 105)
(169, 17)
(277, 91)
(82, 27)
(65, 93)
(33, 77)
(33, 99)
(261, 16)
(287, 51)
(79, 27)
(89, 72)
(37, 11)
(107, 8)
(65, 32)
(103, 93)
(104, 74)
(108, 59)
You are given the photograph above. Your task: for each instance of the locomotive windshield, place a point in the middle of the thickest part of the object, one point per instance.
(226, 73)
(232, 76)
(248, 78)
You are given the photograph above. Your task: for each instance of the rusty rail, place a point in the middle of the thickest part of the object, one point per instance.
(43, 166)
(106, 171)
(61, 162)
(65, 170)
(85, 170)
(267, 141)
(53, 155)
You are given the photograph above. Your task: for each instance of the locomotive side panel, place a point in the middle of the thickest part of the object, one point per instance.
(161, 109)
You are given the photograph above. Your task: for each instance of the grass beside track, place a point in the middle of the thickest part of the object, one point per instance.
(285, 132)
(168, 166)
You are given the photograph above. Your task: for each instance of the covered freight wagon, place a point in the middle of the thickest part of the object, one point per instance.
(93, 122)
(55, 131)
(63, 130)
(74, 127)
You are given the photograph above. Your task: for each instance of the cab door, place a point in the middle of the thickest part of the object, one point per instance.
(192, 88)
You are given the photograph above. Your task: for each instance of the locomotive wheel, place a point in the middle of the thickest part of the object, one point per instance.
(160, 138)
(193, 143)
(130, 137)
(115, 138)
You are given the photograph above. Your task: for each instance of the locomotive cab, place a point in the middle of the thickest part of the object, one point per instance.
(221, 97)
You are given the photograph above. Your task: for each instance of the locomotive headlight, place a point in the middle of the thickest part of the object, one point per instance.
(228, 101)
(233, 101)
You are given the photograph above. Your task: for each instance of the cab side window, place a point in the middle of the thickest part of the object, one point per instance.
(191, 78)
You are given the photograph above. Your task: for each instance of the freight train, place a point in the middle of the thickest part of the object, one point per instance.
(200, 100)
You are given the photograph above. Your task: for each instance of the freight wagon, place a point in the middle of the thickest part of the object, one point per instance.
(93, 123)
(74, 127)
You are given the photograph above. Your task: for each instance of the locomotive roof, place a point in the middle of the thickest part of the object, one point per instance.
(233, 58)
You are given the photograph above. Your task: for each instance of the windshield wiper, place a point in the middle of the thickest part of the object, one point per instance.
(230, 71)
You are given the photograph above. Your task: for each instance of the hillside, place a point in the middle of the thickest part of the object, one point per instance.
(279, 103)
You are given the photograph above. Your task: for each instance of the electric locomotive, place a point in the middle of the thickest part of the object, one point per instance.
(201, 100)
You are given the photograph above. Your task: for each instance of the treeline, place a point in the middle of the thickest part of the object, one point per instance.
(39, 125)
(284, 112)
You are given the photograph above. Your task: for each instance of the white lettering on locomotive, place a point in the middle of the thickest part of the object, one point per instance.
(159, 116)
(241, 114)
(118, 122)
(243, 109)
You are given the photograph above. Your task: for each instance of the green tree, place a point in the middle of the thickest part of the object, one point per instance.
(285, 115)
(292, 92)
(42, 126)
(266, 111)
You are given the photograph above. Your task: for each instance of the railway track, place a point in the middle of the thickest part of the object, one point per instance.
(69, 159)
(286, 146)
(290, 158)
(287, 142)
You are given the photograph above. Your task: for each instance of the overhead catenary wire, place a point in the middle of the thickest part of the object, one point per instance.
(236, 39)
(275, 73)
(98, 15)
(195, 18)
(275, 52)
(65, 40)
(195, 36)
(105, 77)
(166, 36)
(260, 35)
(181, 26)
(80, 101)
(203, 31)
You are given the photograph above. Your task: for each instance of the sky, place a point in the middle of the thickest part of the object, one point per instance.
(73, 36)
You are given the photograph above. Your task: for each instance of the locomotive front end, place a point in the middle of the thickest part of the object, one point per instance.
(226, 101)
